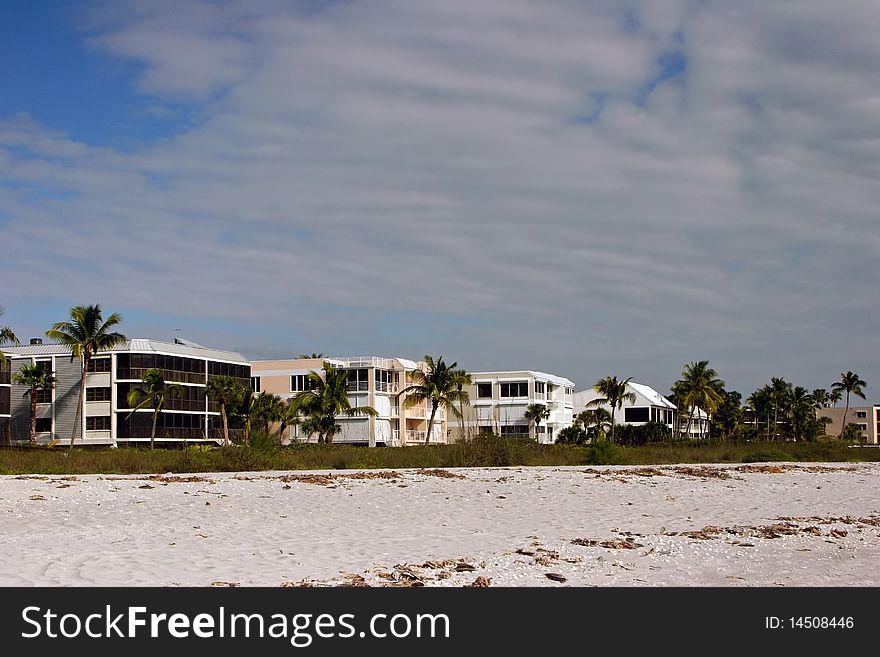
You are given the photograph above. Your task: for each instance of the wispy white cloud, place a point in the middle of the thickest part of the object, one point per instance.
(526, 169)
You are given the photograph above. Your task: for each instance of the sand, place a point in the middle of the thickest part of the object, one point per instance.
(768, 525)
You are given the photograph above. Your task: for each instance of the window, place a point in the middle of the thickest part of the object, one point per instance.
(44, 395)
(97, 394)
(255, 383)
(98, 423)
(301, 383)
(863, 427)
(357, 380)
(515, 430)
(515, 389)
(384, 380)
(45, 365)
(540, 387)
(484, 390)
(861, 415)
(484, 430)
(635, 414)
(98, 365)
(44, 425)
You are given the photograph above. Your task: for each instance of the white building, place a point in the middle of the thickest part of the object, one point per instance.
(699, 423)
(649, 406)
(498, 402)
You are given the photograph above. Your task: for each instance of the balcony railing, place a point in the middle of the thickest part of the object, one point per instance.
(367, 361)
(174, 404)
(357, 386)
(414, 436)
(177, 376)
(382, 386)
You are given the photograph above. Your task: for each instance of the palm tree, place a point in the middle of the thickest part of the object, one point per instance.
(327, 399)
(259, 408)
(596, 422)
(849, 383)
(820, 398)
(780, 395)
(289, 415)
(462, 378)
(34, 377)
(226, 391)
(7, 336)
(699, 387)
(760, 403)
(614, 393)
(439, 386)
(834, 397)
(154, 393)
(311, 355)
(535, 413)
(85, 334)
(802, 414)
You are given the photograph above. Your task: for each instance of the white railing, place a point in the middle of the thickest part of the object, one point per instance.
(415, 436)
(367, 361)
(357, 386)
(381, 386)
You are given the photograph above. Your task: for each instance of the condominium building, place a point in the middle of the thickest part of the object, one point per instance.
(372, 381)
(108, 418)
(866, 418)
(5, 398)
(649, 406)
(498, 403)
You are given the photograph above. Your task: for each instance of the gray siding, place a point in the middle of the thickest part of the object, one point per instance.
(68, 374)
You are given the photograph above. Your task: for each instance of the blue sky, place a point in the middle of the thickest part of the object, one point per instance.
(585, 188)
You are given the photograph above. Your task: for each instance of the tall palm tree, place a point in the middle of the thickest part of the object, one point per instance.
(438, 385)
(849, 383)
(154, 393)
(614, 394)
(802, 414)
(462, 378)
(699, 387)
(35, 378)
(86, 333)
(536, 413)
(760, 403)
(259, 409)
(596, 422)
(327, 399)
(780, 395)
(289, 415)
(226, 391)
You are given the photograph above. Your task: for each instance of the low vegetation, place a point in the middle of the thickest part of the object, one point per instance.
(482, 451)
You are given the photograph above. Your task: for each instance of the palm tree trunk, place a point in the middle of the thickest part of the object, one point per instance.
(225, 424)
(461, 419)
(80, 410)
(153, 429)
(845, 411)
(32, 434)
(431, 422)
(690, 419)
(612, 424)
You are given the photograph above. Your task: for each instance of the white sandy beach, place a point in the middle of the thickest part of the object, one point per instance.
(786, 525)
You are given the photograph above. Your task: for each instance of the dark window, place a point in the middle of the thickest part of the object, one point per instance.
(44, 425)
(484, 390)
(45, 365)
(384, 380)
(357, 380)
(98, 394)
(540, 387)
(5, 400)
(635, 414)
(98, 423)
(861, 415)
(515, 430)
(255, 383)
(301, 383)
(485, 430)
(516, 389)
(98, 365)
(44, 395)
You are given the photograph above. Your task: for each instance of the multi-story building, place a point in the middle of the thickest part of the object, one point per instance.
(108, 418)
(498, 402)
(866, 418)
(372, 381)
(5, 398)
(649, 406)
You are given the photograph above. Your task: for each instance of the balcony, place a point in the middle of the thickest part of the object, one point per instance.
(357, 386)
(365, 361)
(414, 436)
(382, 386)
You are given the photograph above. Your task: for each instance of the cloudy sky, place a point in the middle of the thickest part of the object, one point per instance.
(582, 187)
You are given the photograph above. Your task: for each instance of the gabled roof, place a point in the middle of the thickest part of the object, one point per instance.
(646, 393)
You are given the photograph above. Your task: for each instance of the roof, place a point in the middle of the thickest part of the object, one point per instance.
(134, 345)
(647, 392)
(544, 376)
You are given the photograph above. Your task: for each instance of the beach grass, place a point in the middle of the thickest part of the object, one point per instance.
(484, 451)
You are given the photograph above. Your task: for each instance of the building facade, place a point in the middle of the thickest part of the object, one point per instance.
(372, 381)
(498, 402)
(108, 418)
(866, 418)
(5, 398)
(649, 406)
